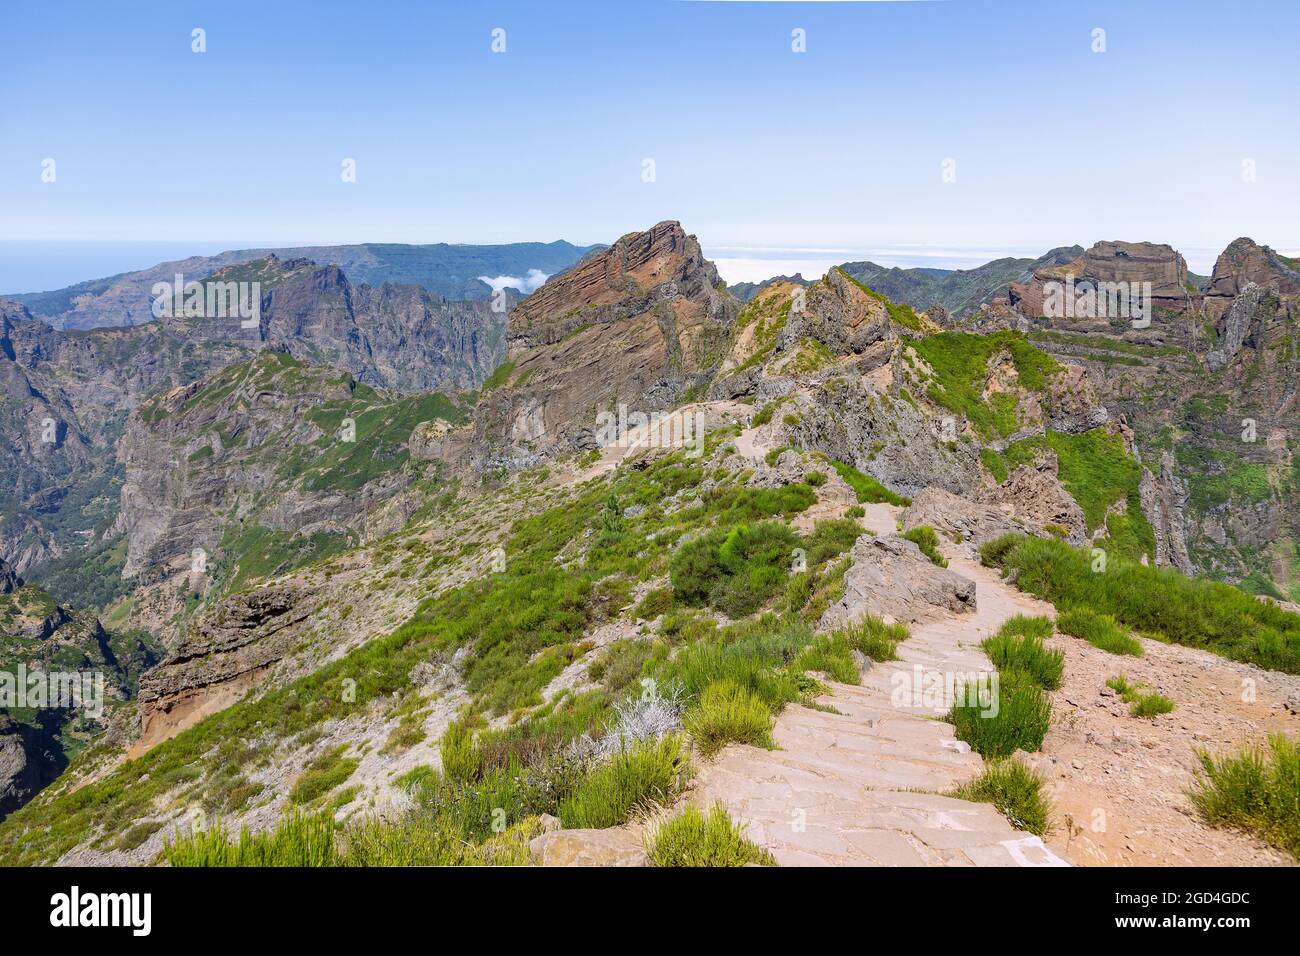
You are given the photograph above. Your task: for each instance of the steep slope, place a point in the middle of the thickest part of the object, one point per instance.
(41, 726)
(77, 388)
(1208, 388)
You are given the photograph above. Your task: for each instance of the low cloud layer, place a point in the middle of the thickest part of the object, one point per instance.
(525, 285)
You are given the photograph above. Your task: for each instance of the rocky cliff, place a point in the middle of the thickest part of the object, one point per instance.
(68, 394)
(642, 323)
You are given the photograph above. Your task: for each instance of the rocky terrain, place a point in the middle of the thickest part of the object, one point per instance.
(405, 578)
(69, 394)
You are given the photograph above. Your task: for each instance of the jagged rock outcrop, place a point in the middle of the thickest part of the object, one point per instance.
(1164, 501)
(960, 518)
(891, 579)
(852, 419)
(1245, 262)
(639, 324)
(1241, 324)
(1113, 262)
(1033, 495)
(232, 645)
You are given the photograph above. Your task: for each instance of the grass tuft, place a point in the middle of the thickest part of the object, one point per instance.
(1015, 790)
(1257, 790)
(698, 839)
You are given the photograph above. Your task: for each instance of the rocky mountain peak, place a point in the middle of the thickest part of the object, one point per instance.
(1245, 261)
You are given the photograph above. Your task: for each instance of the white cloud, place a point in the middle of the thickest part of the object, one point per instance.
(525, 285)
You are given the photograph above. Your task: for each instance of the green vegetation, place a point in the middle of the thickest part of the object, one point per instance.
(1015, 790)
(1099, 630)
(1157, 601)
(726, 713)
(637, 778)
(1016, 718)
(322, 775)
(960, 364)
(1141, 703)
(925, 538)
(696, 839)
(1257, 790)
(898, 312)
(499, 377)
(735, 570)
(298, 840)
(867, 488)
(1098, 472)
(1018, 646)
(764, 414)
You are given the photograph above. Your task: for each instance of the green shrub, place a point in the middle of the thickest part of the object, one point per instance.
(459, 753)
(1158, 601)
(645, 774)
(735, 570)
(298, 840)
(749, 662)
(994, 552)
(697, 839)
(867, 489)
(815, 478)
(655, 602)
(1012, 651)
(764, 414)
(874, 638)
(727, 713)
(1099, 630)
(1257, 790)
(925, 538)
(322, 775)
(1015, 790)
(1141, 704)
(857, 511)
(830, 654)
(1019, 721)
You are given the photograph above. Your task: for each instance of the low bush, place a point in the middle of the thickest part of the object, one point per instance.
(298, 840)
(729, 713)
(697, 839)
(1099, 630)
(1012, 651)
(1018, 719)
(1141, 703)
(1015, 790)
(1257, 790)
(867, 489)
(645, 774)
(927, 540)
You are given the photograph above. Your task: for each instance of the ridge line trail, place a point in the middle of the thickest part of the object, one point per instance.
(841, 788)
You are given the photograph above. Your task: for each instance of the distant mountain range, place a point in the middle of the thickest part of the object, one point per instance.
(450, 271)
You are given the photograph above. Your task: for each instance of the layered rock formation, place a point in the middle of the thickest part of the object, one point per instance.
(638, 324)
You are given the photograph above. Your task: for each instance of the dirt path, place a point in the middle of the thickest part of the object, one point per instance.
(841, 790)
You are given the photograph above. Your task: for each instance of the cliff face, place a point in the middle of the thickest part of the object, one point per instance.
(1113, 262)
(40, 636)
(262, 465)
(1209, 389)
(641, 323)
(68, 394)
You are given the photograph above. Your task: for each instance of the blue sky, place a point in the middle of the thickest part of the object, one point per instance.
(836, 150)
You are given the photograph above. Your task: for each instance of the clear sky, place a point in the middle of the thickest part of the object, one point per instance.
(757, 149)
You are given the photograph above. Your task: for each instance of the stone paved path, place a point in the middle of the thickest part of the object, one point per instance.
(841, 788)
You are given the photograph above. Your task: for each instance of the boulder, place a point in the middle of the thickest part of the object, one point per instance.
(891, 579)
